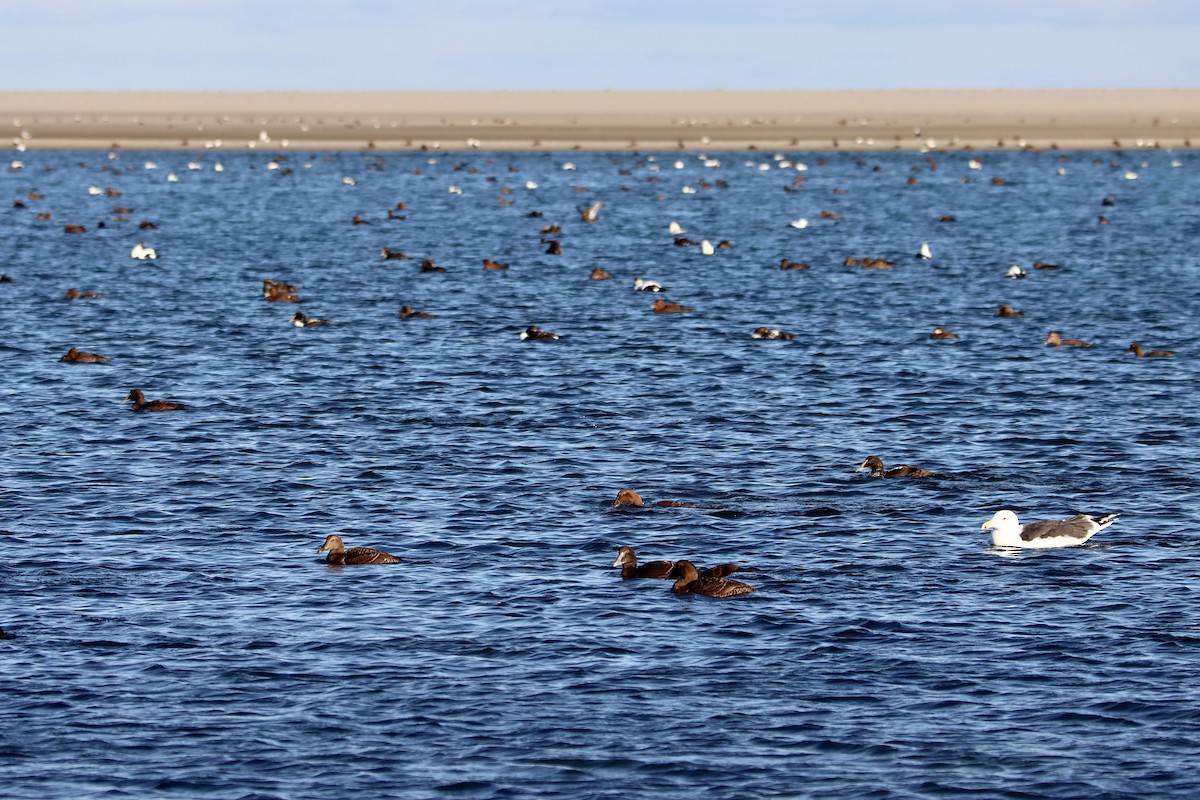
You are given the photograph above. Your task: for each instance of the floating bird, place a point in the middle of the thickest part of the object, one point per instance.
(338, 554)
(1007, 311)
(427, 265)
(627, 561)
(301, 321)
(942, 333)
(601, 274)
(647, 285)
(280, 292)
(554, 249)
(489, 264)
(1039, 264)
(785, 264)
(1008, 532)
(628, 497)
(799, 224)
(393, 255)
(663, 307)
(691, 582)
(142, 253)
(706, 247)
(140, 404)
(534, 334)
(675, 229)
(1142, 352)
(763, 332)
(1015, 271)
(924, 252)
(74, 356)
(875, 465)
(1054, 340)
(406, 312)
(75, 294)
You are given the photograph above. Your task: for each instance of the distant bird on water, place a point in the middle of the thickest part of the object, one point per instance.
(1142, 352)
(1055, 340)
(339, 554)
(692, 582)
(140, 403)
(875, 465)
(1008, 532)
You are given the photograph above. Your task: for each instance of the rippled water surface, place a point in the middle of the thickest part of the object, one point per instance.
(175, 633)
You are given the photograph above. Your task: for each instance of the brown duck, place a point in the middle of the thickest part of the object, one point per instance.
(140, 404)
(338, 554)
(75, 356)
(690, 581)
(875, 465)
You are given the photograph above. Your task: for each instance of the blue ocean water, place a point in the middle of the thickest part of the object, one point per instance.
(176, 634)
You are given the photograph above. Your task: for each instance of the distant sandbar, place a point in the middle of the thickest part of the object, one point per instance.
(608, 120)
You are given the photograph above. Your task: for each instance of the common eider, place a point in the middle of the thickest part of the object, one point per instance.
(627, 561)
(647, 285)
(75, 356)
(692, 582)
(942, 333)
(140, 404)
(338, 554)
(393, 255)
(1142, 352)
(785, 264)
(601, 274)
(875, 465)
(75, 294)
(535, 334)
(1008, 532)
(663, 307)
(1007, 311)
(407, 312)
(1054, 340)
(632, 498)
(763, 332)
(300, 320)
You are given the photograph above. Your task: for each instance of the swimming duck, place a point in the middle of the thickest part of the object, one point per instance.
(1008, 311)
(875, 465)
(1054, 340)
(1142, 352)
(1015, 271)
(923, 252)
(627, 561)
(140, 404)
(554, 249)
(601, 274)
(534, 334)
(1008, 532)
(692, 582)
(942, 333)
(647, 285)
(632, 498)
(301, 321)
(1039, 264)
(406, 312)
(785, 264)
(143, 253)
(338, 554)
(427, 265)
(663, 307)
(75, 294)
(763, 332)
(74, 356)
(280, 292)
(493, 265)
(393, 255)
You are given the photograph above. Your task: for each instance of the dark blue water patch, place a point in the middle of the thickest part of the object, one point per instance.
(176, 633)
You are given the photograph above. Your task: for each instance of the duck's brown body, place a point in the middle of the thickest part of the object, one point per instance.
(630, 568)
(692, 582)
(1142, 352)
(75, 356)
(140, 403)
(340, 554)
(875, 465)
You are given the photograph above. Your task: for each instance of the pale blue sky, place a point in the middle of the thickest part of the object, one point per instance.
(572, 44)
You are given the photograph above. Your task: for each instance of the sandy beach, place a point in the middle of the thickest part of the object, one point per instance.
(555, 120)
